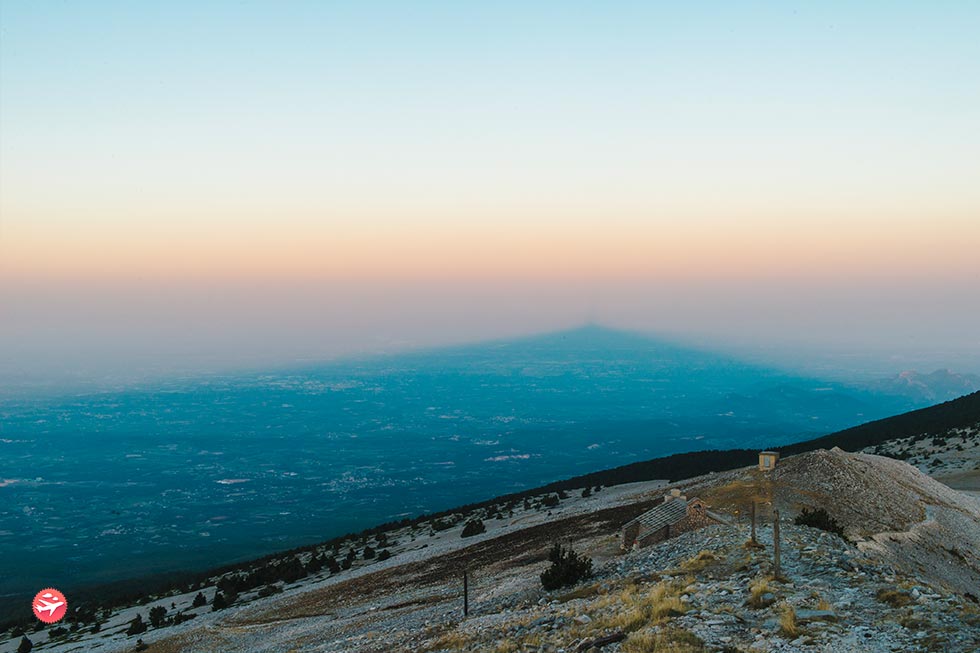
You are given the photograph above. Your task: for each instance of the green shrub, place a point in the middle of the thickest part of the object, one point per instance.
(269, 590)
(473, 527)
(819, 518)
(136, 626)
(222, 601)
(440, 525)
(158, 616)
(567, 568)
(180, 617)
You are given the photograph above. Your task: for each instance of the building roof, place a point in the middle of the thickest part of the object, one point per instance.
(666, 514)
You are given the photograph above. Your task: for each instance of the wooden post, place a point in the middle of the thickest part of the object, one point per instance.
(466, 593)
(776, 567)
(753, 523)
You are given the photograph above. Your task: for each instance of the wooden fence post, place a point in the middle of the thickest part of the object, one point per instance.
(777, 567)
(466, 592)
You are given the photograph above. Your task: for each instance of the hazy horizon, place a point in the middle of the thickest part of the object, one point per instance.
(190, 188)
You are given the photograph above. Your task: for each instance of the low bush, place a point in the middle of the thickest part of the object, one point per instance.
(819, 518)
(473, 527)
(158, 616)
(269, 590)
(567, 568)
(136, 626)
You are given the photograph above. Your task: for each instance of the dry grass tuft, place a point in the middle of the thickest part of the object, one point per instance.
(453, 641)
(700, 561)
(757, 591)
(912, 622)
(894, 598)
(586, 592)
(669, 640)
(787, 622)
(507, 646)
(634, 608)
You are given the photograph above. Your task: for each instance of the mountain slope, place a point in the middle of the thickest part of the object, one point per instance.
(902, 583)
(193, 473)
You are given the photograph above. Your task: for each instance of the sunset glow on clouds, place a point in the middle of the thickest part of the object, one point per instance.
(237, 143)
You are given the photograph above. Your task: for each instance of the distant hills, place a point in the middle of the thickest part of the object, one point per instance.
(941, 385)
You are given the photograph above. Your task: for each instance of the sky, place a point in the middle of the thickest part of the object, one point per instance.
(199, 186)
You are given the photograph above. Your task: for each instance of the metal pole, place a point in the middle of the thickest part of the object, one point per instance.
(777, 570)
(466, 593)
(753, 522)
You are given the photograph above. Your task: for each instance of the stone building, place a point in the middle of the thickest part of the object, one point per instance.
(677, 514)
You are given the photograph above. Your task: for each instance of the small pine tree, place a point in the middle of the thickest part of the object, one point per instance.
(587, 492)
(368, 553)
(315, 564)
(384, 555)
(26, 645)
(567, 568)
(199, 600)
(158, 615)
(219, 602)
(136, 626)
